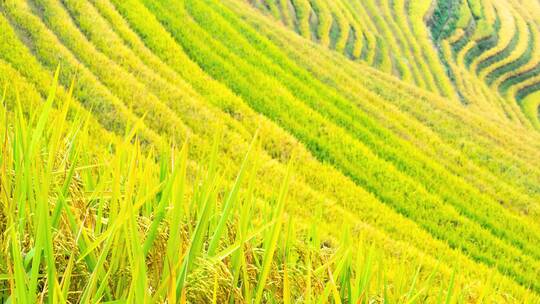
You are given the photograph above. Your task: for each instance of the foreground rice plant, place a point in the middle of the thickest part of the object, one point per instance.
(86, 221)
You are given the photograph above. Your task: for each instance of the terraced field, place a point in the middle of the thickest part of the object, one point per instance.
(483, 53)
(205, 151)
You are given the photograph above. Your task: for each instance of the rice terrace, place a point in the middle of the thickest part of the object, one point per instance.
(270, 151)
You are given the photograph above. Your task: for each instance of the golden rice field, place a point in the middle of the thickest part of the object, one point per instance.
(269, 151)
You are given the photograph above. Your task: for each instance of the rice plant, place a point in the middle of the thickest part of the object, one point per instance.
(269, 151)
(151, 226)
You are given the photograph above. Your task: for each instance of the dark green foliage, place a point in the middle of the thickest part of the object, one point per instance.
(484, 44)
(516, 64)
(469, 32)
(335, 32)
(351, 38)
(443, 20)
(521, 94)
(500, 55)
(365, 47)
(519, 78)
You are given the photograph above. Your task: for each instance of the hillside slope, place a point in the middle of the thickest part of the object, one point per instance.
(481, 53)
(402, 164)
